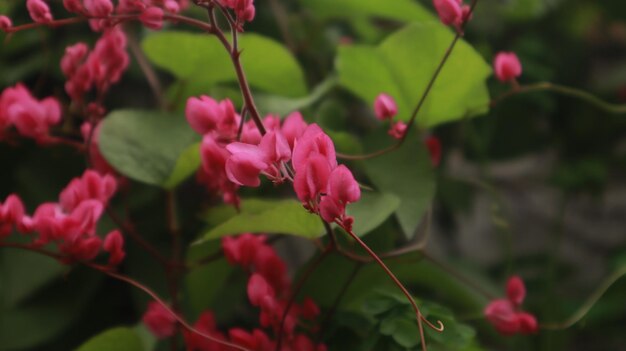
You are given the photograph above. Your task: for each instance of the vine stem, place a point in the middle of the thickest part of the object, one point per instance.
(591, 301)
(307, 274)
(108, 271)
(418, 315)
(566, 91)
(422, 99)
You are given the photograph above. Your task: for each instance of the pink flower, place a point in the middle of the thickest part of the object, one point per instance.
(398, 130)
(5, 23)
(257, 340)
(39, 11)
(109, 59)
(74, 56)
(312, 178)
(74, 6)
(275, 147)
(434, 149)
(293, 127)
(244, 9)
(507, 66)
(202, 114)
(171, 6)
(91, 186)
(98, 8)
(385, 107)
(342, 186)
(313, 140)
(242, 250)
(31, 118)
(245, 164)
(129, 6)
(449, 11)
(506, 314)
(114, 245)
(159, 320)
(205, 324)
(259, 290)
(11, 214)
(152, 17)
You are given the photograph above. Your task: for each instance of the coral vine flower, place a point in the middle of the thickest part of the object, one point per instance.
(11, 213)
(293, 127)
(32, 118)
(39, 11)
(506, 314)
(507, 66)
(5, 23)
(398, 130)
(385, 107)
(159, 320)
(152, 18)
(114, 245)
(98, 8)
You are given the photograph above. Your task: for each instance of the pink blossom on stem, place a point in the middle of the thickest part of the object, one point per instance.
(98, 8)
(91, 186)
(506, 314)
(205, 324)
(275, 147)
(385, 107)
(11, 214)
(398, 130)
(203, 114)
(293, 127)
(449, 11)
(73, 57)
(312, 178)
(74, 6)
(507, 66)
(259, 290)
(256, 340)
(313, 140)
(114, 245)
(39, 11)
(31, 118)
(130, 6)
(152, 17)
(5, 23)
(171, 6)
(242, 250)
(245, 164)
(159, 320)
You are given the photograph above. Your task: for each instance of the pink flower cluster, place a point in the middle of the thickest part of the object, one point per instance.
(385, 108)
(452, 12)
(321, 185)
(31, 118)
(70, 223)
(506, 314)
(244, 9)
(507, 66)
(269, 289)
(98, 68)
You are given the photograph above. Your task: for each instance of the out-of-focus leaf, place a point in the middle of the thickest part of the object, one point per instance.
(48, 314)
(201, 58)
(406, 173)
(268, 216)
(147, 146)
(282, 106)
(118, 339)
(186, 165)
(403, 65)
(372, 210)
(403, 10)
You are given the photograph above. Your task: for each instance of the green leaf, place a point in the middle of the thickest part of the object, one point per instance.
(186, 165)
(118, 339)
(284, 105)
(269, 216)
(406, 173)
(372, 210)
(201, 58)
(403, 65)
(147, 146)
(403, 10)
